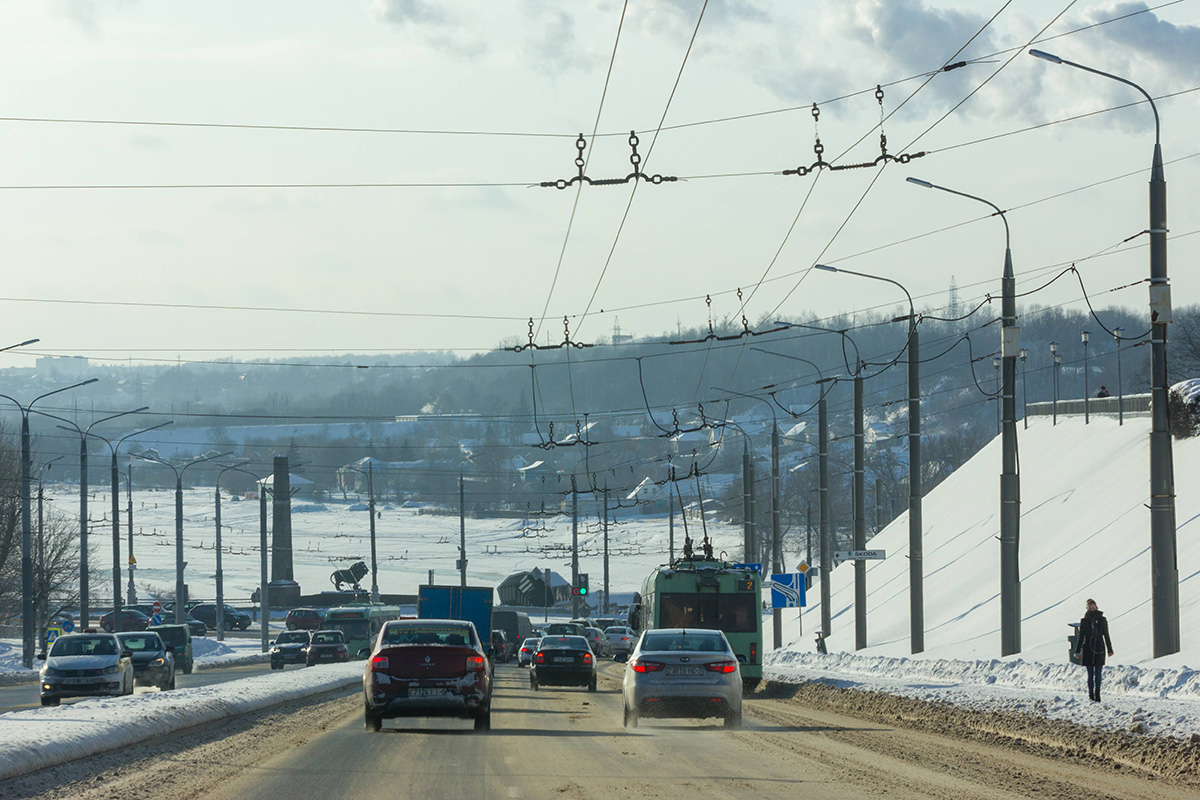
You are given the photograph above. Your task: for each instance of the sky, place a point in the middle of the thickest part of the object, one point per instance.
(424, 227)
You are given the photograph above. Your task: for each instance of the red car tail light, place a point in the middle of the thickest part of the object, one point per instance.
(722, 666)
(379, 664)
(540, 658)
(641, 665)
(754, 652)
(587, 658)
(475, 662)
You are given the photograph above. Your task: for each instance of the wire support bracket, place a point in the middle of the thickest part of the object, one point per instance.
(635, 159)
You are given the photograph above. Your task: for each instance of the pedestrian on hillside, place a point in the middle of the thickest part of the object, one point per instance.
(1090, 646)
(1103, 392)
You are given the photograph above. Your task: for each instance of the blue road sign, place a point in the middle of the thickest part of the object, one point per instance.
(787, 590)
(755, 567)
(156, 619)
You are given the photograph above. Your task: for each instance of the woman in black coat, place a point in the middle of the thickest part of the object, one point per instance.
(1091, 645)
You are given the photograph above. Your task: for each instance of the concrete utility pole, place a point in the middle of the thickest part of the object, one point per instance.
(1164, 566)
(574, 549)
(860, 517)
(1010, 481)
(825, 514)
(606, 602)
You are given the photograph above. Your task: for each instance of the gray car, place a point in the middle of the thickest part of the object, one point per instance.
(683, 672)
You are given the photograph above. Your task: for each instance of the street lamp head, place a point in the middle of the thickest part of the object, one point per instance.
(996, 363)
(1117, 333)
(919, 182)
(1023, 354)
(1084, 336)
(1054, 348)
(1044, 56)
(826, 267)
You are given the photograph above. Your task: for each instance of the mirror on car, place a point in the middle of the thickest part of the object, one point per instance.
(40, 656)
(126, 654)
(170, 648)
(621, 657)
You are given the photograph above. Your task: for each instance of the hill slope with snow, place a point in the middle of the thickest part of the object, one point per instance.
(1085, 532)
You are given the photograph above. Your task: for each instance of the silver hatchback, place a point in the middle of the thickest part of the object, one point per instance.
(683, 672)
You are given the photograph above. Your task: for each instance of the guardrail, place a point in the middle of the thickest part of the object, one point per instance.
(1135, 405)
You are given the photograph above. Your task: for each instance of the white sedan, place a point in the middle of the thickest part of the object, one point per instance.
(620, 639)
(683, 672)
(86, 665)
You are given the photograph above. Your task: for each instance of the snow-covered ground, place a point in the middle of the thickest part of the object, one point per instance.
(31, 740)
(1085, 533)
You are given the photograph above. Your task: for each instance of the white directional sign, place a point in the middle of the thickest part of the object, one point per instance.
(859, 555)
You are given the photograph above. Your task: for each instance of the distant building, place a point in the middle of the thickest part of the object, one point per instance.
(62, 366)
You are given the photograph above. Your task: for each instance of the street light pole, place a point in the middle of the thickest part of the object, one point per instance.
(1164, 566)
(1057, 362)
(916, 547)
(219, 577)
(1084, 336)
(28, 626)
(1023, 354)
(999, 422)
(180, 591)
(776, 538)
(1010, 480)
(462, 524)
(1120, 386)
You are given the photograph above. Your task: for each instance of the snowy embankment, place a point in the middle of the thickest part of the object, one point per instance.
(1161, 702)
(43, 737)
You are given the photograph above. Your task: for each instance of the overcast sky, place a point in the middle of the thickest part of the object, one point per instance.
(462, 247)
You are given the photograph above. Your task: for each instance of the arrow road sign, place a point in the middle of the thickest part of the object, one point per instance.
(787, 590)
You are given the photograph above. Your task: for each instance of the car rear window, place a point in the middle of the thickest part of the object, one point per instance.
(668, 641)
(292, 637)
(140, 642)
(564, 643)
(333, 637)
(454, 635)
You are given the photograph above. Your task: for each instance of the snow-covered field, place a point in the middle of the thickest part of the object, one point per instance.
(1085, 533)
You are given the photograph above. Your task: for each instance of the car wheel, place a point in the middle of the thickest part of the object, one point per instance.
(734, 720)
(372, 722)
(592, 685)
(483, 722)
(129, 686)
(49, 701)
(187, 670)
(631, 720)
(291, 626)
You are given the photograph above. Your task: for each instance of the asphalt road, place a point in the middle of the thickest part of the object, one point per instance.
(22, 696)
(571, 743)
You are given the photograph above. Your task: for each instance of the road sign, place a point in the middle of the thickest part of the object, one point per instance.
(787, 590)
(132, 560)
(755, 567)
(157, 607)
(156, 618)
(52, 633)
(859, 555)
(802, 567)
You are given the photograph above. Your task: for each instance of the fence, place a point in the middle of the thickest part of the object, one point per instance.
(1134, 405)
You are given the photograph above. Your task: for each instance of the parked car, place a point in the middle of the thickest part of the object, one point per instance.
(598, 642)
(563, 661)
(131, 620)
(194, 625)
(85, 664)
(304, 619)
(677, 672)
(428, 668)
(290, 647)
(153, 662)
(179, 638)
(620, 638)
(145, 608)
(234, 619)
(525, 654)
(501, 647)
(326, 647)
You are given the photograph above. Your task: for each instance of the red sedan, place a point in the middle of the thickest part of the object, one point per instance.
(428, 668)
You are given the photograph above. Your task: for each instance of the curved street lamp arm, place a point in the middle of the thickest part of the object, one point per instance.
(1000, 211)
(114, 416)
(143, 430)
(1053, 59)
(63, 389)
(912, 311)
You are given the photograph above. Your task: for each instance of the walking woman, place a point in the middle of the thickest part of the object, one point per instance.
(1091, 645)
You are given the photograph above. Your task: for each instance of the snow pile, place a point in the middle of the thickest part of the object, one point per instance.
(43, 737)
(1165, 699)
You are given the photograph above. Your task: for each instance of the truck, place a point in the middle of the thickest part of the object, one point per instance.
(514, 623)
(469, 603)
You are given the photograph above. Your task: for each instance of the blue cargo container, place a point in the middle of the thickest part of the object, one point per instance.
(470, 603)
